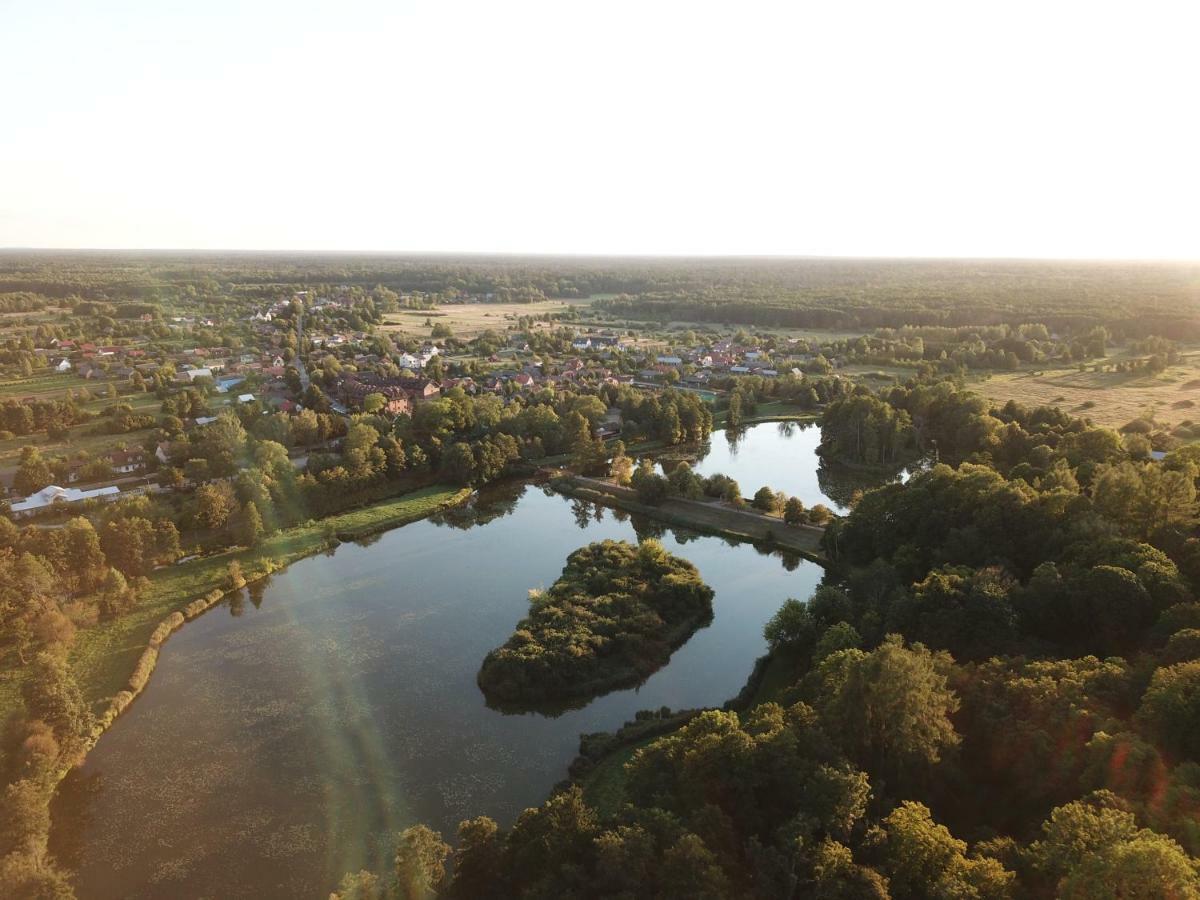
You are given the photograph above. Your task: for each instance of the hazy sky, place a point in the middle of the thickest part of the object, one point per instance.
(1048, 128)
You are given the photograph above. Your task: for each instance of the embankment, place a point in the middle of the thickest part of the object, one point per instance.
(710, 517)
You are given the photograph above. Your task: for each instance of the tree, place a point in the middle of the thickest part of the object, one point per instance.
(650, 486)
(1094, 849)
(477, 859)
(33, 473)
(85, 560)
(767, 500)
(733, 416)
(923, 859)
(1171, 708)
(621, 467)
(306, 428)
(793, 511)
(215, 502)
(362, 885)
(223, 443)
(792, 627)
(420, 863)
(250, 525)
(888, 709)
(130, 544)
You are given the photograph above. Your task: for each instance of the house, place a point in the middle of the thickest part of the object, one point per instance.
(669, 360)
(126, 461)
(53, 494)
(190, 375)
(224, 384)
(245, 398)
(420, 388)
(63, 366)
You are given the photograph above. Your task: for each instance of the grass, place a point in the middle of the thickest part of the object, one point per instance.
(105, 654)
(1118, 398)
(774, 411)
(469, 320)
(80, 439)
(55, 384)
(604, 786)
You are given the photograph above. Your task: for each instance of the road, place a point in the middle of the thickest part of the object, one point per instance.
(299, 360)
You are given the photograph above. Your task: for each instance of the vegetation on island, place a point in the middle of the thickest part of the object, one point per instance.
(992, 694)
(612, 618)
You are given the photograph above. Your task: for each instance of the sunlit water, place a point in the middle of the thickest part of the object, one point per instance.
(286, 737)
(781, 456)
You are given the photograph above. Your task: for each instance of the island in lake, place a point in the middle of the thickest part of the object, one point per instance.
(611, 619)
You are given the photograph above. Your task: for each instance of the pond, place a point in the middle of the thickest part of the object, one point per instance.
(285, 737)
(782, 456)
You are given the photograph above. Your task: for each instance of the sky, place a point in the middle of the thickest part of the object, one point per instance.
(1018, 129)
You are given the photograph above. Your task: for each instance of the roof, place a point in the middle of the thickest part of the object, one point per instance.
(52, 494)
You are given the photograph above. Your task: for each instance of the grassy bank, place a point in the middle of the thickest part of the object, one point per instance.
(708, 518)
(775, 411)
(105, 654)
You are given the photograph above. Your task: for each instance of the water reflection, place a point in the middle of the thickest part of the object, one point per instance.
(282, 745)
(781, 456)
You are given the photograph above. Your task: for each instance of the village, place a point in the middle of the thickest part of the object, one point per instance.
(274, 366)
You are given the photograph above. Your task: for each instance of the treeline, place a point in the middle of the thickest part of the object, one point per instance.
(21, 418)
(921, 418)
(612, 618)
(861, 295)
(52, 583)
(993, 695)
(799, 799)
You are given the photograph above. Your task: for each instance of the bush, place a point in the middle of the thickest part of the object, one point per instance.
(143, 670)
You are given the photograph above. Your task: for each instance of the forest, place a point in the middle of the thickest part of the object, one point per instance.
(612, 617)
(995, 692)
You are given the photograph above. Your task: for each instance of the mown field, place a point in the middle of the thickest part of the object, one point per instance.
(1107, 398)
(469, 320)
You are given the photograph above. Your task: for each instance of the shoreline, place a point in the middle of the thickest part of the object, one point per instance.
(191, 605)
(707, 518)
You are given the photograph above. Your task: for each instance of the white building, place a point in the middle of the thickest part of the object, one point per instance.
(49, 496)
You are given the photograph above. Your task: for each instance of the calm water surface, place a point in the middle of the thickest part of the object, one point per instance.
(284, 738)
(782, 456)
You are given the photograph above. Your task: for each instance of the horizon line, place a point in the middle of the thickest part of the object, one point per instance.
(534, 254)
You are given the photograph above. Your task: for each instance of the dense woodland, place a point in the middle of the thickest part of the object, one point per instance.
(611, 618)
(995, 692)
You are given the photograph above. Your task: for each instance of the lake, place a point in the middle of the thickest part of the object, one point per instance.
(782, 456)
(286, 736)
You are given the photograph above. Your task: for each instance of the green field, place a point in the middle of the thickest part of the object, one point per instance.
(469, 320)
(49, 385)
